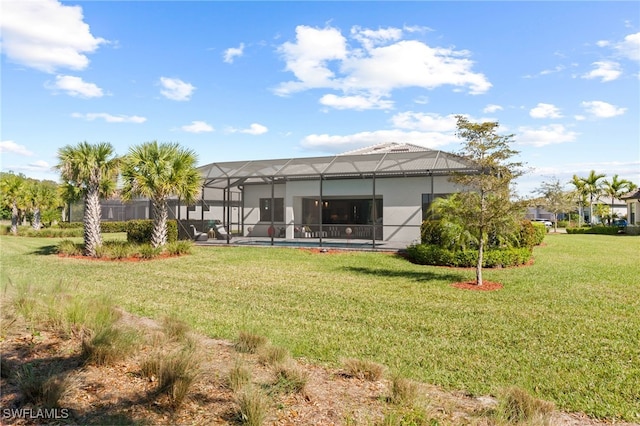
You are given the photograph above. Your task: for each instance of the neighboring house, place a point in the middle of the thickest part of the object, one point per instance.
(619, 209)
(381, 193)
(632, 200)
(538, 212)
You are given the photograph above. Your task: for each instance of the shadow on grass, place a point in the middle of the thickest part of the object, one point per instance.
(419, 276)
(45, 250)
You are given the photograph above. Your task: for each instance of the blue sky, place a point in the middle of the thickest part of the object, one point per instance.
(256, 80)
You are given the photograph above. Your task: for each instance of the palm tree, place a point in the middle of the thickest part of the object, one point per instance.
(158, 171)
(616, 188)
(40, 196)
(93, 170)
(12, 187)
(592, 188)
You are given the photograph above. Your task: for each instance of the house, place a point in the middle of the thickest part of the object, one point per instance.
(632, 200)
(380, 193)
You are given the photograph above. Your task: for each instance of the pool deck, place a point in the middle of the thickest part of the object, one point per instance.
(329, 243)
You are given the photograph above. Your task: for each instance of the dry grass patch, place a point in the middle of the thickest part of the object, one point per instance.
(109, 345)
(249, 342)
(290, 378)
(361, 369)
(42, 386)
(239, 376)
(254, 406)
(272, 355)
(517, 406)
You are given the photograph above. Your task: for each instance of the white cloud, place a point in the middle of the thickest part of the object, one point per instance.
(46, 35)
(545, 135)
(75, 86)
(606, 70)
(425, 122)
(12, 147)
(370, 38)
(322, 58)
(629, 47)
(357, 102)
(109, 118)
(176, 89)
(307, 58)
(254, 129)
(231, 53)
(602, 109)
(341, 143)
(545, 111)
(197, 127)
(491, 108)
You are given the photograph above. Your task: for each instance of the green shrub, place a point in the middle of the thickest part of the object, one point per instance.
(423, 254)
(600, 230)
(112, 227)
(503, 258)
(70, 225)
(69, 248)
(147, 251)
(118, 249)
(563, 223)
(140, 231)
(541, 232)
(178, 248)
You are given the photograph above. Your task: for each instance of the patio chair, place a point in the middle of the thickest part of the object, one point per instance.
(197, 235)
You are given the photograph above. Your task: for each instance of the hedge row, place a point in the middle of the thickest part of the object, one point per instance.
(106, 227)
(429, 254)
(28, 231)
(602, 230)
(442, 234)
(140, 231)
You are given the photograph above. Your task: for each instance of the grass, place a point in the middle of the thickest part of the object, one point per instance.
(517, 406)
(289, 378)
(239, 376)
(363, 369)
(563, 329)
(254, 406)
(109, 345)
(40, 385)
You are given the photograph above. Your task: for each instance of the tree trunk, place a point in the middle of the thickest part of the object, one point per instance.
(14, 219)
(480, 256)
(160, 215)
(92, 234)
(37, 224)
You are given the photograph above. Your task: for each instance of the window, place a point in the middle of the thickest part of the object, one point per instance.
(427, 199)
(266, 208)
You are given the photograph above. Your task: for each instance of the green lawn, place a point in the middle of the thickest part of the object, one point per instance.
(566, 328)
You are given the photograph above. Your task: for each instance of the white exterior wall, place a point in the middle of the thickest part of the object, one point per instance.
(401, 197)
(251, 216)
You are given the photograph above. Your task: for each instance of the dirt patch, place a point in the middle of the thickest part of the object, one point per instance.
(121, 394)
(471, 285)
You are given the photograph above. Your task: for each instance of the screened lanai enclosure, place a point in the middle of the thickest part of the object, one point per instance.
(379, 193)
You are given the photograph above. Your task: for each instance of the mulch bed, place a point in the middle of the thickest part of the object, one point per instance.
(471, 285)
